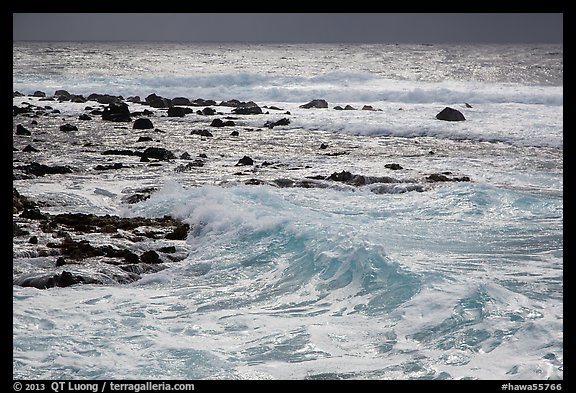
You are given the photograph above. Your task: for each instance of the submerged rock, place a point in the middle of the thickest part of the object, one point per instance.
(37, 169)
(64, 279)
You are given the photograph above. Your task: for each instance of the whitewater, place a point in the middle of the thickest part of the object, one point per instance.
(289, 275)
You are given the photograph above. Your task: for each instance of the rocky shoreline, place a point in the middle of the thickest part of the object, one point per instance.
(65, 238)
(124, 249)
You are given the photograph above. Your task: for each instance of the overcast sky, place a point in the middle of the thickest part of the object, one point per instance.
(292, 27)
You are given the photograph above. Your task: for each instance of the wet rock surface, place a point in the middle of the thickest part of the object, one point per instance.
(129, 245)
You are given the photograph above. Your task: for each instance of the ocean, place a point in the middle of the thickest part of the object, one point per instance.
(375, 243)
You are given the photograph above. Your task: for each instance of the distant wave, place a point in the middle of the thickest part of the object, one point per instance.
(334, 87)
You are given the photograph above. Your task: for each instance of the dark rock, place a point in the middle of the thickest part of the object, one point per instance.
(346, 108)
(144, 139)
(78, 249)
(68, 127)
(135, 198)
(284, 183)
(60, 261)
(21, 130)
(117, 165)
(20, 202)
(323, 146)
(131, 257)
(234, 133)
(41, 169)
(33, 240)
(115, 152)
(156, 101)
(112, 252)
(203, 102)
(64, 279)
(468, 105)
(168, 249)
(179, 233)
(208, 111)
(317, 103)
(247, 108)
(343, 176)
(134, 99)
(16, 110)
(42, 282)
(358, 180)
(117, 112)
(394, 167)
(77, 98)
(190, 165)
(245, 161)
(176, 111)
(439, 177)
(253, 182)
(105, 99)
(84, 116)
(450, 114)
(109, 229)
(39, 93)
(159, 153)
(233, 102)
(30, 149)
(33, 214)
(17, 231)
(217, 123)
(62, 94)
(185, 156)
(136, 268)
(150, 256)
(220, 123)
(142, 124)
(282, 122)
(181, 101)
(201, 132)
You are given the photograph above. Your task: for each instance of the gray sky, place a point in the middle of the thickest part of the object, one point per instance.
(292, 27)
